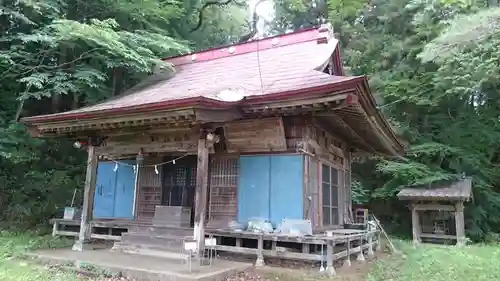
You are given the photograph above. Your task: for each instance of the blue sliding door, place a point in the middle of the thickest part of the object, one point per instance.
(271, 187)
(287, 182)
(253, 187)
(105, 190)
(114, 194)
(124, 192)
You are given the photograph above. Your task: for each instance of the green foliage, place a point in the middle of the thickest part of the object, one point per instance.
(445, 109)
(58, 55)
(14, 245)
(463, 31)
(434, 69)
(359, 194)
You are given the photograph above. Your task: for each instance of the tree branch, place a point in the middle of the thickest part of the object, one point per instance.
(253, 24)
(46, 67)
(208, 4)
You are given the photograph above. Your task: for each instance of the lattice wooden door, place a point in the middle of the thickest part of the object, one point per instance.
(180, 182)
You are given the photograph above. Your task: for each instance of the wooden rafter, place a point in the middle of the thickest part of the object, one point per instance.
(307, 105)
(341, 122)
(75, 125)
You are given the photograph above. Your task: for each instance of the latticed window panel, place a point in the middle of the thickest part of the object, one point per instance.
(223, 183)
(330, 195)
(149, 192)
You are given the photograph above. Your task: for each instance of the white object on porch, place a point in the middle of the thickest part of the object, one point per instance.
(210, 249)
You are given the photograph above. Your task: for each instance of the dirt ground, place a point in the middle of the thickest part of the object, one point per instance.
(357, 272)
(299, 272)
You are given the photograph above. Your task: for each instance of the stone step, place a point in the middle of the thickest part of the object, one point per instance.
(162, 230)
(155, 240)
(165, 252)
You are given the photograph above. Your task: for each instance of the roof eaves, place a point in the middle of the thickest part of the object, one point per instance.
(379, 123)
(188, 102)
(168, 105)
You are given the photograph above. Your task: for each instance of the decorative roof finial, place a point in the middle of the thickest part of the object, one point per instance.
(325, 33)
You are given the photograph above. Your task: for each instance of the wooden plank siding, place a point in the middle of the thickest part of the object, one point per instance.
(295, 130)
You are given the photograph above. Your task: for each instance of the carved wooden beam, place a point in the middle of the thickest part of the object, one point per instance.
(304, 105)
(152, 147)
(110, 123)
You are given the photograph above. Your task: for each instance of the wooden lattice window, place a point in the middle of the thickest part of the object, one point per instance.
(223, 182)
(330, 195)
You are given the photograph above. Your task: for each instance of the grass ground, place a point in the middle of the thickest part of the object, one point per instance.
(13, 266)
(425, 263)
(439, 263)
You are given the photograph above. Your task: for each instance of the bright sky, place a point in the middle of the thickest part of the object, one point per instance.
(265, 10)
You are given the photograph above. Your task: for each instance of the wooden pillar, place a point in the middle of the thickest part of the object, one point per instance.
(308, 188)
(361, 256)
(88, 201)
(370, 253)
(260, 251)
(347, 262)
(460, 223)
(305, 248)
(201, 194)
(378, 247)
(415, 222)
(330, 269)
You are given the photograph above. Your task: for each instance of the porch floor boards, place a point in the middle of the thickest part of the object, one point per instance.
(141, 267)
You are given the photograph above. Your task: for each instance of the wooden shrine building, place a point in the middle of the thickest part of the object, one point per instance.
(437, 210)
(261, 129)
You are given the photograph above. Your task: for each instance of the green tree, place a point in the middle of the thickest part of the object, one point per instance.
(57, 55)
(445, 109)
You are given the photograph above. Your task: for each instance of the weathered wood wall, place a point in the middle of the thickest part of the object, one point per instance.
(305, 135)
(295, 130)
(157, 141)
(267, 135)
(312, 191)
(223, 180)
(256, 135)
(333, 152)
(246, 136)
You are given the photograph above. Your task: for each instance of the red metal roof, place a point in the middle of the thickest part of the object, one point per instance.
(258, 69)
(279, 68)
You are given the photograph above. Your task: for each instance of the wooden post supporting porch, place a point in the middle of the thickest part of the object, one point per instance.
(201, 194)
(88, 201)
